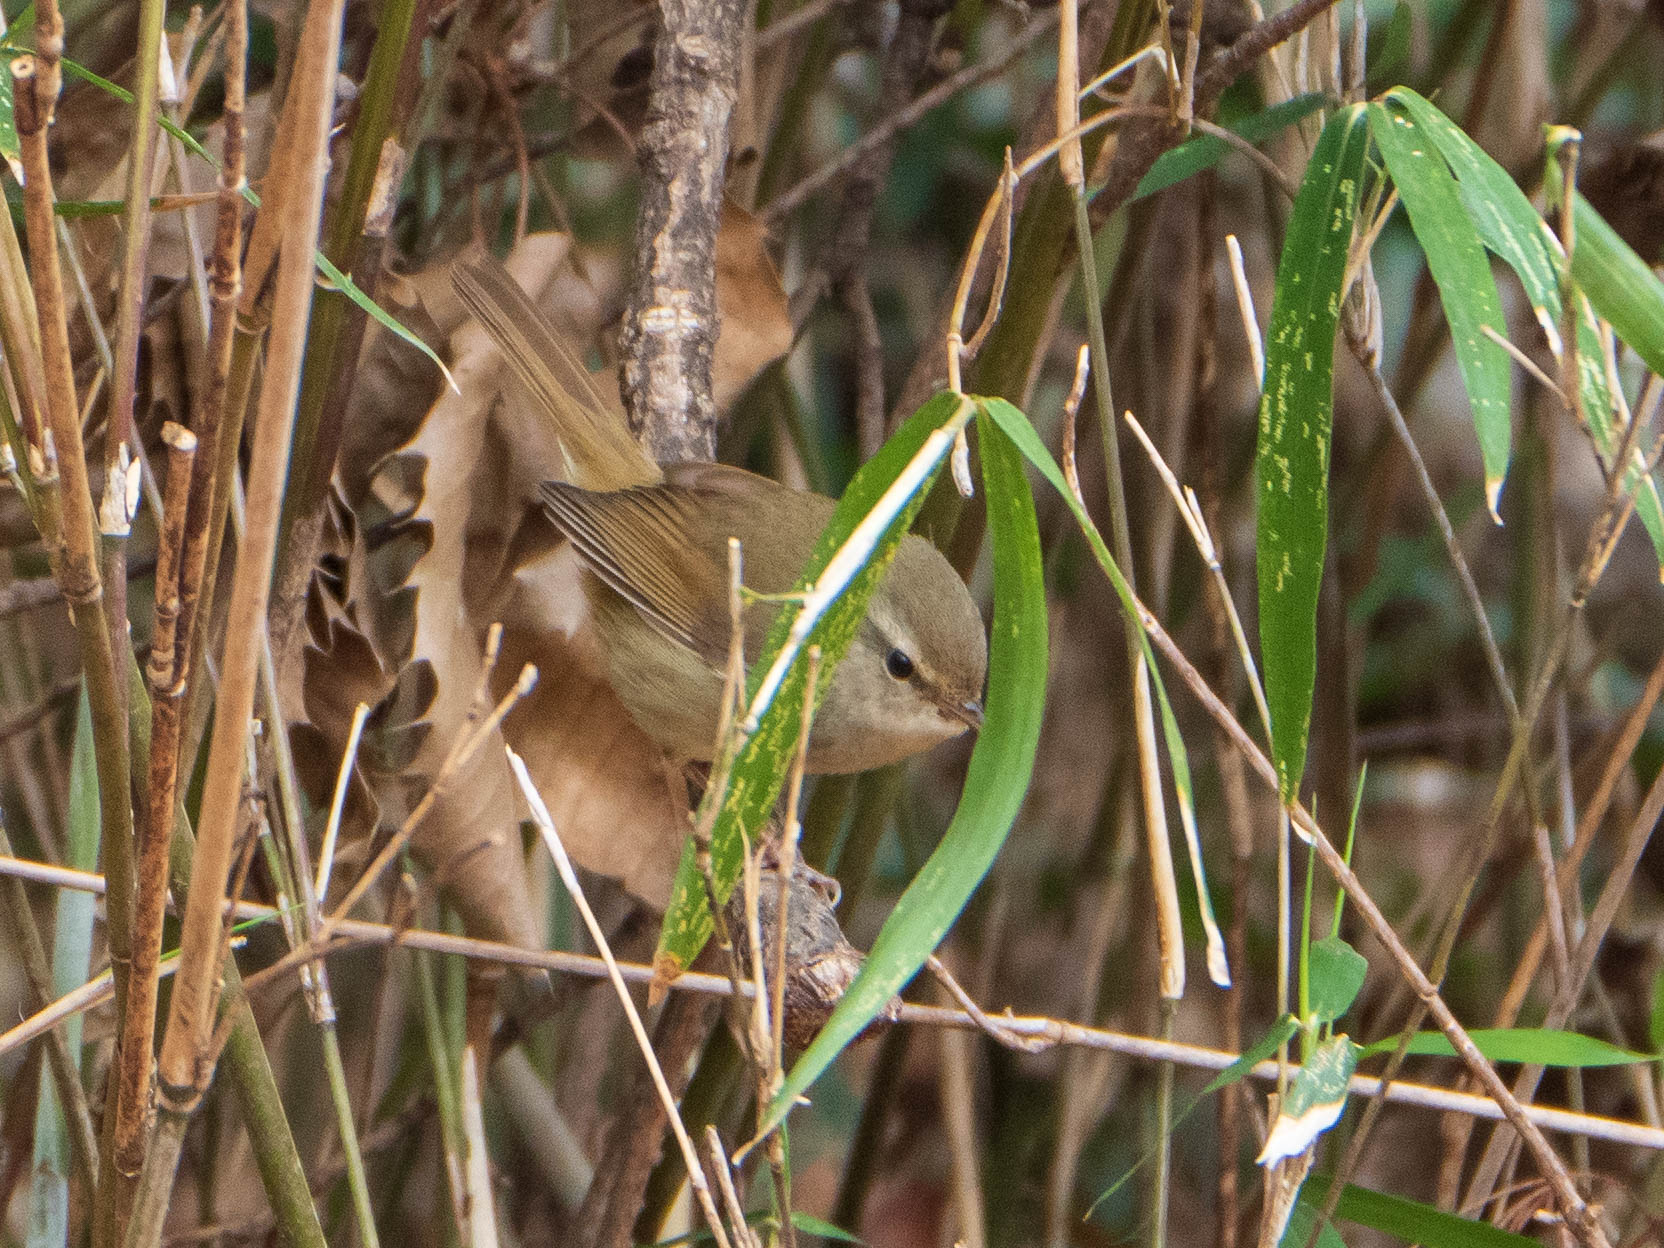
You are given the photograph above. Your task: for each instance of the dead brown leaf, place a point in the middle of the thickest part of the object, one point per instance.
(756, 323)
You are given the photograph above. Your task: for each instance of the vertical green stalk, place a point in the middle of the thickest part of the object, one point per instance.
(48, 1224)
(1169, 923)
(342, 1099)
(445, 1093)
(329, 340)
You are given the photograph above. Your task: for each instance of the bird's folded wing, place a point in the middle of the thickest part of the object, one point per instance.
(636, 541)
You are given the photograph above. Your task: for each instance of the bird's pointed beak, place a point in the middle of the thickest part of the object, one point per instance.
(969, 713)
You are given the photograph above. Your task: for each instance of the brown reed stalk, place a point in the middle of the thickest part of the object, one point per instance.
(185, 1064)
(191, 1015)
(204, 512)
(155, 825)
(70, 539)
(121, 449)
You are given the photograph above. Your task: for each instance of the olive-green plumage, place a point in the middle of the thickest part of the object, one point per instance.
(654, 543)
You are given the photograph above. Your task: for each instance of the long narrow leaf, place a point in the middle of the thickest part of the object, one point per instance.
(48, 1224)
(1016, 426)
(1291, 467)
(1618, 282)
(1410, 1220)
(1628, 295)
(1456, 258)
(1302, 1222)
(995, 785)
(1204, 151)
(1516, 233)
(1540, 1046)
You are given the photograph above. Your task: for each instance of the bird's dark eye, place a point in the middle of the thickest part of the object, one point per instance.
(898, 665)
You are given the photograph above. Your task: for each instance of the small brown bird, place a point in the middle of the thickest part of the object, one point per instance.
(654, 543)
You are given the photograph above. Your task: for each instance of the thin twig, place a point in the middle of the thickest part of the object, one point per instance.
(37, 970)
(464, 749)
(1447, 531)
(361, 933)
(743, 1234)
(992, 1027)
(1570, 992)
(569, 877)
(1245, 307)
(789, 200)
(1190, 510)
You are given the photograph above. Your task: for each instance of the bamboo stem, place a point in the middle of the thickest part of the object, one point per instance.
(155, 827)
(70, 535)
(185, 1047)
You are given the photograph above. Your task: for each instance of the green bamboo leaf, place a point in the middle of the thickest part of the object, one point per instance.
(1204, 151)
(1624, 290)
(1302, 1221)
(9, 147)
(1538, 1046)
(1507, 223)
(826, 1230)
(1336, 973)
(1456, 258)
(1268, 1044)
(763, 762)
(1016, 426)
(20, 34)
(1516, 233)
(1292, 459)
(1628, 295)
(1655, 1021)
(1410, 1220)
(1001, 764)
(1314, 1102)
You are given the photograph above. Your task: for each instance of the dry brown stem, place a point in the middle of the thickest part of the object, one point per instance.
(225, 284)
(155, 825)
(1048, 1032)
(70, 537)
(192, 1011)
(1570, 992)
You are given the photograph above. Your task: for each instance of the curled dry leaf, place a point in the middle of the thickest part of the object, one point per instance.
(751, 304)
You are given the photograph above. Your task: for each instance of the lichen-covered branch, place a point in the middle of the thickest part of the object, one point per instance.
(670, 325)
